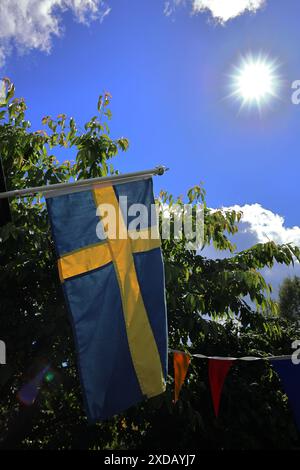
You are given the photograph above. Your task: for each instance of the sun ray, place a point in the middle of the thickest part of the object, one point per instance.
(254, 82)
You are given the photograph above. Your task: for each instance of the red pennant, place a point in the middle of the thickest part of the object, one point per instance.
(181, 365)
(217, 371)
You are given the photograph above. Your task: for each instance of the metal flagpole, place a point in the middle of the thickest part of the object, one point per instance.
(84, 184)
(5, 215)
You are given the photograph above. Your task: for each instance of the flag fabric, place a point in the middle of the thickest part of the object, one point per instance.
(217, 372)
(114, 289)
(181, 363)
(289, 375)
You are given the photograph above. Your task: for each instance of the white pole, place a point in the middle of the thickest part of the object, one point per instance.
(159, 170)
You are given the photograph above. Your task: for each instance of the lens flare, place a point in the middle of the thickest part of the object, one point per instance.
(30, 390)
(49, 377)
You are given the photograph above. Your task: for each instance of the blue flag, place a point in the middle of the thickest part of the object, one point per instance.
(289, 375)
(111, 270)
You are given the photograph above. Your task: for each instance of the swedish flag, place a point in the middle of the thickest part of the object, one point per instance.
(114, 289)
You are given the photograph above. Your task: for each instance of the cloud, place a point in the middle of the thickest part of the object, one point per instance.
(226, 10)
(265, 226)
(31, 24)
(221, 10)
(260, 225)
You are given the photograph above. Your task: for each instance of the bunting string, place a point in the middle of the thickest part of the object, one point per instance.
(225, 358)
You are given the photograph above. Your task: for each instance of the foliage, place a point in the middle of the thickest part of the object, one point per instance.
(200, 293)
(289, 298)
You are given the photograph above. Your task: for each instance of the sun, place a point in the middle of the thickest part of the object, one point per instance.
(255, 80)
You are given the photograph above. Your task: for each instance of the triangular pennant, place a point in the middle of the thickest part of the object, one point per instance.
(289, 374)
(181, 365)
(217, 371)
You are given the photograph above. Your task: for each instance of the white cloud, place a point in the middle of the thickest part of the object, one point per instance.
(221, 10)
(260, 225)
(228, 9)
(266, 226)
(31, 24)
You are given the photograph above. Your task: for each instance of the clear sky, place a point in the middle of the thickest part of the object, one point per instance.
(169, 78)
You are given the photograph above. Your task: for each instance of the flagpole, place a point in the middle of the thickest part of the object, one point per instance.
(159, 170)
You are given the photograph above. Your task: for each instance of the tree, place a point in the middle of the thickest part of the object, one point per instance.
(289, 298)
(34, 325)
(33, 315)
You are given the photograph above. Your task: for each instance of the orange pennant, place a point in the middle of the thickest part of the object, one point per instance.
(181, 365)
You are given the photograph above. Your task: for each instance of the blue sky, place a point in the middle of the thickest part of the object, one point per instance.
(169, 78)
